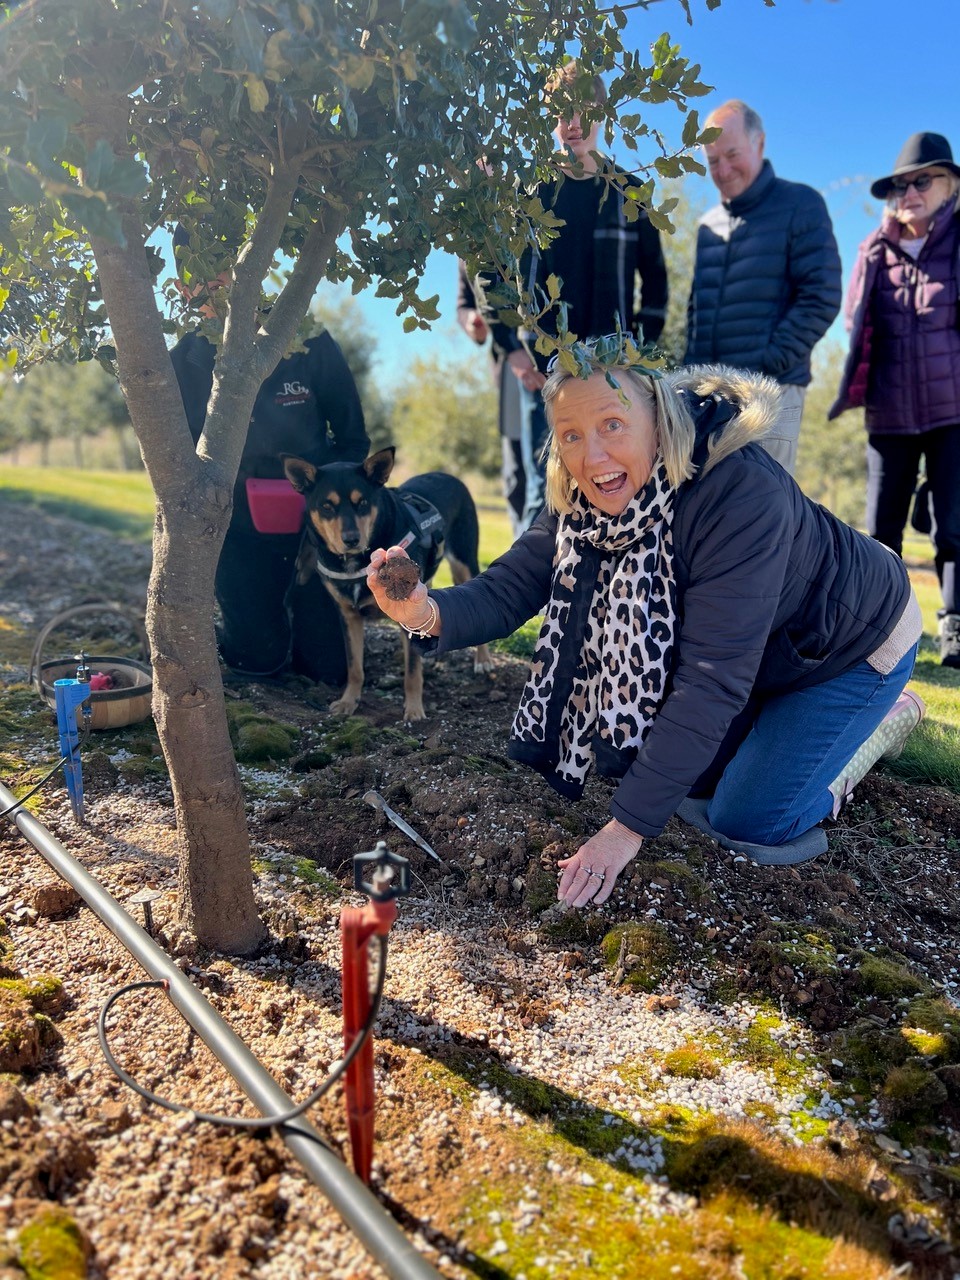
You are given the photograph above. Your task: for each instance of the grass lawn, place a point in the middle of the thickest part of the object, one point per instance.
(121, 501)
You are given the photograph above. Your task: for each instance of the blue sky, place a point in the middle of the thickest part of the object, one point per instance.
(840, 85)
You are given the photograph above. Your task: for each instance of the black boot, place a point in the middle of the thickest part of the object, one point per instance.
(950, 640)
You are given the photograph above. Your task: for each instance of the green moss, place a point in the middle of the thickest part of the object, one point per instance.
(813, 954)
(42, 992)
(141, 768)
(644, 951)
(928, 1044)
(690, 1062)
(680, 876)
(540, 890)
(22, 712)
(486, 765)
(52, 1247)
(938, 1018)
(889, 980)
(302, 868)
(7, 963)
(867, 1050)
(356, 736)
(574, 928)
(265, 739)
(809, 1128)
(911, 1092)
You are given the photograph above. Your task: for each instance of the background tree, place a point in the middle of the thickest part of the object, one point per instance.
(347, 324)
(679, 251)
(339, 136)
(62, 399)
(831, 458)
(445, 416)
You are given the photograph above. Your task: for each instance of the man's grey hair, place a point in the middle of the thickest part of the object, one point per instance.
(752, 123)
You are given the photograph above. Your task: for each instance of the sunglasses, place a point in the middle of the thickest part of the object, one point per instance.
(923, 183)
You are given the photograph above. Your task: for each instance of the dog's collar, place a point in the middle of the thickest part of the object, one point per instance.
(341, 577)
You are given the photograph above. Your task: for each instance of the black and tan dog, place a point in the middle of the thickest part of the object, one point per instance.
(349, 513)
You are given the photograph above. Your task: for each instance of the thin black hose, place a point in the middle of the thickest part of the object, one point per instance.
(12, 808)
(244, 1122)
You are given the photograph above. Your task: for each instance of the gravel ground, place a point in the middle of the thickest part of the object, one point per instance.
(527, 1100)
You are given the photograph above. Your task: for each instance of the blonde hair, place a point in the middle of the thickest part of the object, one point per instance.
(675, 431)
(953, 181)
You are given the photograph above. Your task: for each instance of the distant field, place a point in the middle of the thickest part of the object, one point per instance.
(121, 501)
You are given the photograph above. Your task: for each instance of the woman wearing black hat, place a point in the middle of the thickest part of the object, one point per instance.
(903, 311)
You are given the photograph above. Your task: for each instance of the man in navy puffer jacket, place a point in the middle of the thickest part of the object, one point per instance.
(767, 281)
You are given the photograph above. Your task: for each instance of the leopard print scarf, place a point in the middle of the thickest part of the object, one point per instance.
(602, 659)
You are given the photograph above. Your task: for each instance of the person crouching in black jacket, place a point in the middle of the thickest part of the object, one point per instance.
(725, 647)
(309, 407)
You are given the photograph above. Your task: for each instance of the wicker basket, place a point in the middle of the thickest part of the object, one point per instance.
(128, 702)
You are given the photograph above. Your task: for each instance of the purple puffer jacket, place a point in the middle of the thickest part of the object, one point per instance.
(904, 318)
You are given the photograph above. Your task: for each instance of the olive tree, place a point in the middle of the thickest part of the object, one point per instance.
(299, 140)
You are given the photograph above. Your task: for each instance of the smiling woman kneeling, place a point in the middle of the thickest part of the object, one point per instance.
(720, 643)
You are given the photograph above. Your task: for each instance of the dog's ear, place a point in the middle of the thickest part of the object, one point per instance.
(379, 465)
(301, 474)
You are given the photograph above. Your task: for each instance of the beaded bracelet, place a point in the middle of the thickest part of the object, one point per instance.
(425, 630)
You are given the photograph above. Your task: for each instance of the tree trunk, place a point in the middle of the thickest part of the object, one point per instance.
(216, 891)
(194, 498)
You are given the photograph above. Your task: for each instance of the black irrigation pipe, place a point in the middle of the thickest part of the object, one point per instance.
(355, 1203)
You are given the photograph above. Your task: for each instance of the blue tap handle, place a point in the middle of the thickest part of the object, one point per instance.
(70, 694)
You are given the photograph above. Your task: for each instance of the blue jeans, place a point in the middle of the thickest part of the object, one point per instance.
(776, 785)
(533, 435)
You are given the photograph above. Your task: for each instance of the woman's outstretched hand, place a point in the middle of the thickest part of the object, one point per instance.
(412, 612)
(589, 876)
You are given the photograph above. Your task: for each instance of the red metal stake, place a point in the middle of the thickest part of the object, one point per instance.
(357, 926)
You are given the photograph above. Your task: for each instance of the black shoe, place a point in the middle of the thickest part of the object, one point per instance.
(950, 640)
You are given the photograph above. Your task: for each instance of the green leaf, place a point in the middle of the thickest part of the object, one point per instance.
(249, 38)
(410, 323)
(211, 82)
(691, 129)
(96, 216)
(126, 178)
(24, 187)
(10, 358)
(358, 73)
(45, 140)
(553, 288)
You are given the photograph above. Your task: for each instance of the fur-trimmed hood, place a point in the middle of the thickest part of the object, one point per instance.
(754, 397)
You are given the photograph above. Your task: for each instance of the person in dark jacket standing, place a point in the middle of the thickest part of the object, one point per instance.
(725, 647)
(903, 312)
(766, 281)
(600, 257)
(472, 321)
(308, 407)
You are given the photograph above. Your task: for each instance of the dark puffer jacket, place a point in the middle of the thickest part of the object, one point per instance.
(620, 254)
(904, 321)
(773, 594)
(767, 281)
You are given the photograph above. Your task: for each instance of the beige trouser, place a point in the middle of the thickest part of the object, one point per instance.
(781, 443)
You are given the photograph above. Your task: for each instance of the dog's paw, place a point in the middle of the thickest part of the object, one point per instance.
(482, 660)
(344, 706)
(413, 711)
